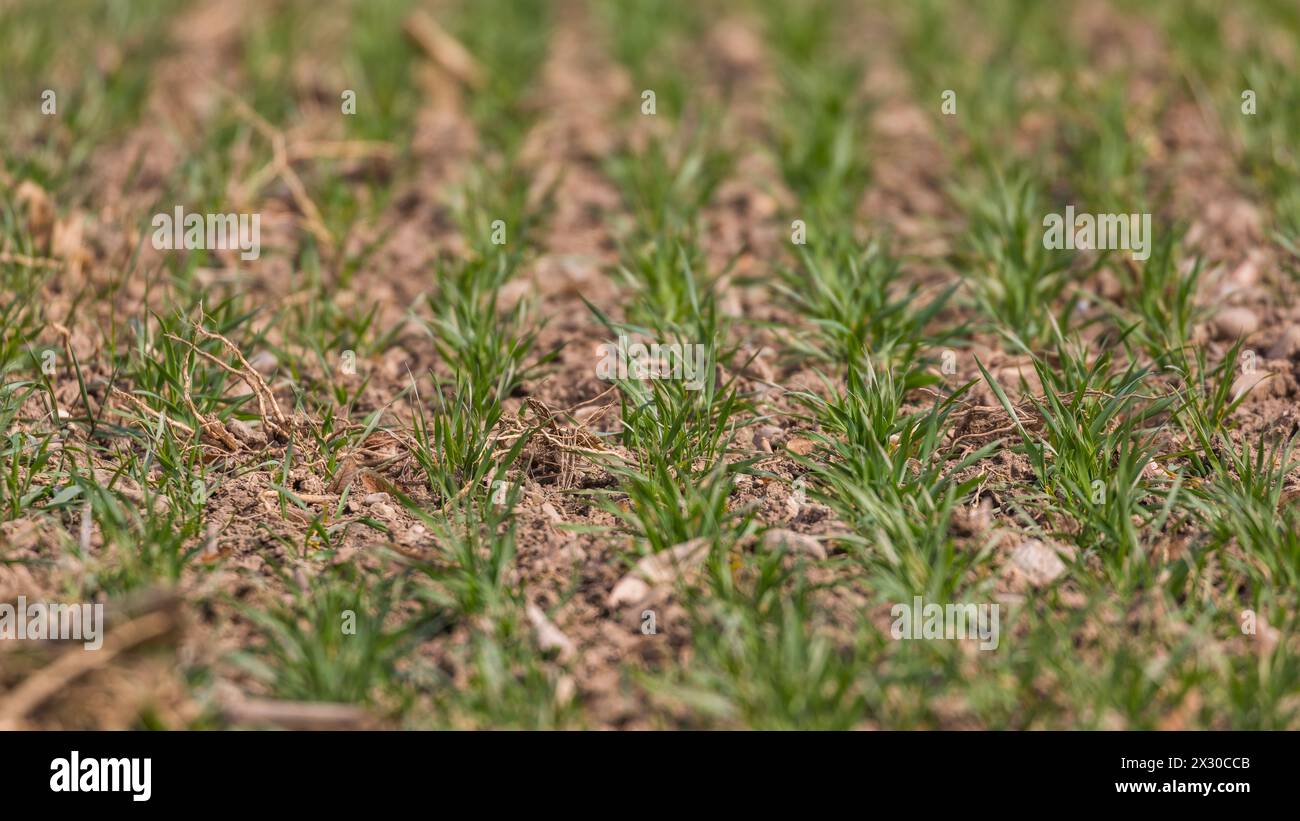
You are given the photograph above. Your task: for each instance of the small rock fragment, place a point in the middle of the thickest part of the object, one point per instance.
(800, 446)
(1037, 561)
(245, 432)
(1287, 344)
(658, 569)
(1234, 323)
(549, 637)
(765, 436)
(796, 542)
(264, 362)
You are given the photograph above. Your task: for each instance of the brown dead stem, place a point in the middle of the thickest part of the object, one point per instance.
(43, 685)
(444, 50)
(281, 166)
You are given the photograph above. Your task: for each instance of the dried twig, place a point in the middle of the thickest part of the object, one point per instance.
(145, 409)
(30, 262)
(296, 715)
(443, 49)
(281, 166)
(272, 416)
(210, 425)
(38, 688)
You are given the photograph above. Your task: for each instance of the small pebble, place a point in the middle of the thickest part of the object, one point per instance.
(1234, 323)
(1287, 344)
(765, 436)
